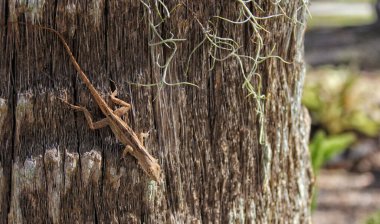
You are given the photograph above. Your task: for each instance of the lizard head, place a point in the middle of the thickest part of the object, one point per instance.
(152, 169)
(155, 173)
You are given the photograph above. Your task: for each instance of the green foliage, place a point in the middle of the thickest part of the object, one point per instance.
(363, 123)
(324, 147)
(340, 101)
(340, 21)
(374, 219)
(311, 98)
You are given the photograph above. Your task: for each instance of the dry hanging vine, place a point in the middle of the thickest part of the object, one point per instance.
(219, 44)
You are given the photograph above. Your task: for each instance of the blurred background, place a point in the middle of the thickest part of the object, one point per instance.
(342, 93)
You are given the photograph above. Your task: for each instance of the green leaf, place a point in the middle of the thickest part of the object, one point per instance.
(363, 123)
(324, 147)
(374, 219)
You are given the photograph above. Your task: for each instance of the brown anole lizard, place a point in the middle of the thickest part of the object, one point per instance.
(123, 132)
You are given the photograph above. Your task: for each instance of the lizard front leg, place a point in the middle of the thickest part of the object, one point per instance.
(128, 149)
(93, 125)
(142, 136)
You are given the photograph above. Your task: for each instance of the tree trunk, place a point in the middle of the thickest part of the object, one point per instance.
(232, 150)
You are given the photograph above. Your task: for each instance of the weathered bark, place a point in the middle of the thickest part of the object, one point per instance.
(54, 169)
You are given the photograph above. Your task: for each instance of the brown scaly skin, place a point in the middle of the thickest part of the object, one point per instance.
(124, 133)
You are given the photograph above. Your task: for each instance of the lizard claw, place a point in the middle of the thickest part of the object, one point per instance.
(143, 135)
(146, 134)
(65, 101)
